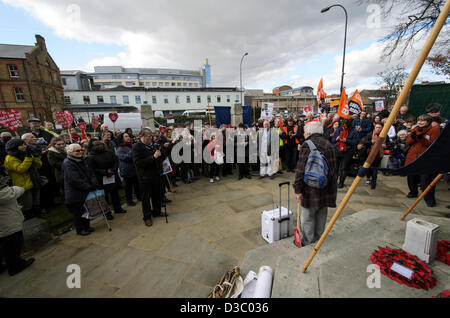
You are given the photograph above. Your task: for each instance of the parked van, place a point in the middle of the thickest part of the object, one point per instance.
(197, 113)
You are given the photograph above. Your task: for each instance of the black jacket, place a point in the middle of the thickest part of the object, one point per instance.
(100, 162)
(147, 167)
(79, 180)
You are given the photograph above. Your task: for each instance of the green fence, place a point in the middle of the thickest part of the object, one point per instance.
(423, 97)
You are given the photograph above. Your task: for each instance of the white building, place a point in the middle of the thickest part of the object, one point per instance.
(167, 101)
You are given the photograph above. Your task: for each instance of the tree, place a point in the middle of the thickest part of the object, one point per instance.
(390, 82)
(421, 16)
(440, 63)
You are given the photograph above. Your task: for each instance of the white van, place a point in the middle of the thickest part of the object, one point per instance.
(197, 113)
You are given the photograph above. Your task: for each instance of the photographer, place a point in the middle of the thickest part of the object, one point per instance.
(22, 166)
(148, 163)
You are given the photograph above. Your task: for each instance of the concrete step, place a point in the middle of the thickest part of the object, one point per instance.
(339, 268)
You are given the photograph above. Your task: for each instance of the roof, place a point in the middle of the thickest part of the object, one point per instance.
(14, 51)
(143, 71)
(75, 72)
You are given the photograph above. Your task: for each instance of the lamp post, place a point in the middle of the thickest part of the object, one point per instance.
(345, 39)
(242, 101)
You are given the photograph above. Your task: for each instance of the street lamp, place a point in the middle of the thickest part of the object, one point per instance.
(242, 101)
(345, 39)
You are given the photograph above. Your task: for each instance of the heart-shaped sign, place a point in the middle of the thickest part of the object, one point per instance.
(69, 118)
(113, 117)
(11, 119)
(65, 119)
(82, 125)
(94, 122)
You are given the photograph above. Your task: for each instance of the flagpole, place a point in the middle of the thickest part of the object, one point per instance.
(381, 139)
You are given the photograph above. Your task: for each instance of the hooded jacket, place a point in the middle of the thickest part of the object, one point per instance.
(11, 217)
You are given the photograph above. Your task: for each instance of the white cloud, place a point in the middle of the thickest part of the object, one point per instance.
(279, 35)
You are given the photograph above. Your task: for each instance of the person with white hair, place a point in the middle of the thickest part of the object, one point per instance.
(268, 149)
(79, 180)
(315, 202)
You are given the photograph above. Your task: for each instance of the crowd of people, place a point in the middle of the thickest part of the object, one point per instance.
(42, 164)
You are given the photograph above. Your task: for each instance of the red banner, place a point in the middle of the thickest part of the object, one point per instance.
(11, 119)
(94, 122)
(65, 119)
(343, 110)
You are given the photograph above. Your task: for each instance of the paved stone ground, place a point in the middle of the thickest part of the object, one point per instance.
(210, 229)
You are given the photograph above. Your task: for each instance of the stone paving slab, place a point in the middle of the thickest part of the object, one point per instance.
(190, 290)
(211, 266)
(185, 247)
(158, 279)
(235, 245)
(117, 270)
(157, 239)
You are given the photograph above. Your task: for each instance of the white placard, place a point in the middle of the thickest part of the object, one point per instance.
(171, 121)
(402, 270)
(266, 110)
(167, 168)
(109, 180)
(379, 105)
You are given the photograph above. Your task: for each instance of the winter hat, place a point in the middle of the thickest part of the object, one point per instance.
(13, 144)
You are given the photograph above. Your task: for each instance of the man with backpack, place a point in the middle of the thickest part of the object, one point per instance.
(315, 182)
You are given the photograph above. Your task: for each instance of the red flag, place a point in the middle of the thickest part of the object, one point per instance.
(343, 110)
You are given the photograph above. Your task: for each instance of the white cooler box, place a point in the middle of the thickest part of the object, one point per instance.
(274, 227)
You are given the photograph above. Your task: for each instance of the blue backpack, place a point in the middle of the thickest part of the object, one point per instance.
(316, 168)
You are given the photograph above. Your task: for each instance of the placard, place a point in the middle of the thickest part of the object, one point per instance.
(379, 105)
(167, 168)
(171, 121)
(109, 180)
(402, 270)
(266, 111)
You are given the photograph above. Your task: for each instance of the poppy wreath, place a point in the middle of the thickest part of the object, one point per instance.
(444, 294)
(442, 252)
(422, 277)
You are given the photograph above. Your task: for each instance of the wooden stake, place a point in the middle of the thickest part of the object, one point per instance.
(400, 101)
(68, 131)
(170, 185)
(424, 193)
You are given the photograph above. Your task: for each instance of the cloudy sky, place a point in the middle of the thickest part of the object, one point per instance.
(288, 41)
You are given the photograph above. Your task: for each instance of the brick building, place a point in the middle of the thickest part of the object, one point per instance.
(30, 80)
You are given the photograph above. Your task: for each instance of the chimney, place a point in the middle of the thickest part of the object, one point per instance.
(40, 41)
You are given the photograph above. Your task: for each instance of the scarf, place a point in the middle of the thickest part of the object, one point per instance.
(343, 145)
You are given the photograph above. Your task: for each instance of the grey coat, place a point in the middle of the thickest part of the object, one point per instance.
(11, 217)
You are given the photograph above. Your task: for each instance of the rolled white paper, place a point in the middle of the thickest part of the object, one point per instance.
(263, 288)
(249, 285)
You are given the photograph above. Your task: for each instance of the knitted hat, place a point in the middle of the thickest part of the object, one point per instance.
(13, 144)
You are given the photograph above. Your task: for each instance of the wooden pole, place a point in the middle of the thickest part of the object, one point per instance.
(424, 193)
(376, 148)
(209, 116)
(170, 185)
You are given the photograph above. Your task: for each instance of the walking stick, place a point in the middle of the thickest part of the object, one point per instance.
(376, 148)
(424, 193)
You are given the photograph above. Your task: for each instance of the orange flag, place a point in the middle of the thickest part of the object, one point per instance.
(356, 105)
(343, 110)
(320, 92)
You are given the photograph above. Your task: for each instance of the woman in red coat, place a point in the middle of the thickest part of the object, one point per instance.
(418, 142)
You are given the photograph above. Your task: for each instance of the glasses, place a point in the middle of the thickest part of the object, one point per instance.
(79, 150)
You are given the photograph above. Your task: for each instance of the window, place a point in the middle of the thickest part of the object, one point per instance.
(67, 100)
(237, 99)
(86, 100)
(64, 82)
(228, 98)
(138, 100)
(13, 70)
(167, 84)
(190, 84)
(155, 84)
(20, 96)
(219, 98)
(113, 99)
(100, 100)
(161, 84)
(166, 99)
(147, 83)
(188, 99)
(129, 83)
(208, 98)
(126, 100)
(173, 83)
(177, 99)
(185, 84)
(178, 84)
(195, 84)
(154, 99)
(199, 99)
